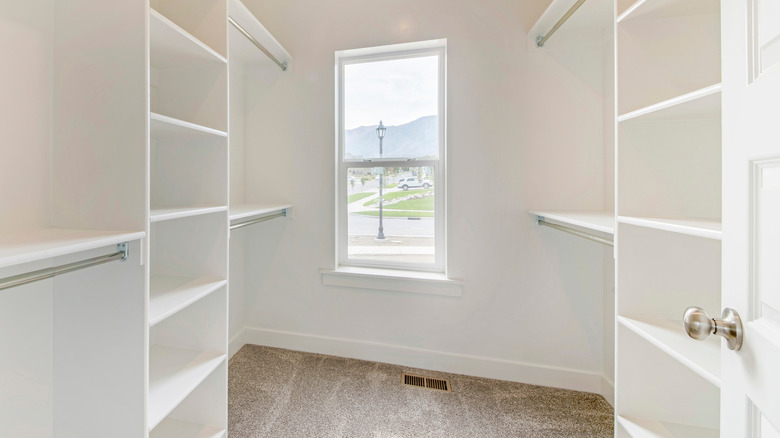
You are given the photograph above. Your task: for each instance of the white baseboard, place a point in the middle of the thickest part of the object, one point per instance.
(608, 390)
(425, 359)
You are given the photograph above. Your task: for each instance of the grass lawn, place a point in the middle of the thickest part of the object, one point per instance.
(357, 197)
(413, 204)
(391, 213)
(398, 194)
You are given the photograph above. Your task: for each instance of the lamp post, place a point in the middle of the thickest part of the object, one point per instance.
(380, 132)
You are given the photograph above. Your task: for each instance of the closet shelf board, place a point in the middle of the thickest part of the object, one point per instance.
(701, 357)
(172, 46)
(699, 104)
(38, 244)
(655, 9)
(641, 428)
(246, 19)
(170, 428)
(707, 228)
(602, 221)
(592, 15)
(159, 214)
(169, 294)
(162, 127)
(245, 211)
(173, 374)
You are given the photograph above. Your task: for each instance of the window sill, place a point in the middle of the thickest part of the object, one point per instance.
(428, 283)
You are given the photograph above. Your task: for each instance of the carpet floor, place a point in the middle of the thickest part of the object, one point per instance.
(282, 393)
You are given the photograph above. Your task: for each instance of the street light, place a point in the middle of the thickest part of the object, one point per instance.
(380, 132)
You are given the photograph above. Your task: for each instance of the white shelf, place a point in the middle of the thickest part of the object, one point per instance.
(641, 428)
(601, 221)
(44, 243)
(706, 228)
(170, 428)
(168, 127)
(654, 9)
(172, 46)
(703, 103)
(591, 17)
(245, 211)
(173, 374)
(169, 294)
(246, 52)
(702, 357)
(169, 213)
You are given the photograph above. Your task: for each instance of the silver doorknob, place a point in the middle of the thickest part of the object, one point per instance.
(699, 326)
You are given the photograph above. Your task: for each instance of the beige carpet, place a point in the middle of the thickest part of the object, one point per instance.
(282, 393)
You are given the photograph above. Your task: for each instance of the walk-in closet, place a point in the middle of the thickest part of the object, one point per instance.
(216, 221)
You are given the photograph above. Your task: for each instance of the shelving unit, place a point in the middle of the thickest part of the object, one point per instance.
(72, 187)
(669, 216)
(188, 219)
(584, 43)
(253, 75)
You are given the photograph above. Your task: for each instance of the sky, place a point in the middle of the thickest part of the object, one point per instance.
(396, 91)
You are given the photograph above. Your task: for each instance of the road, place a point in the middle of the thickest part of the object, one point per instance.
(369, 225)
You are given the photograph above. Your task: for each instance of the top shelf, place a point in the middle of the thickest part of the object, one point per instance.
(601, 221)
(590, 19)
(655, 9)
(40, 244)
(172, 46)
(243, 50)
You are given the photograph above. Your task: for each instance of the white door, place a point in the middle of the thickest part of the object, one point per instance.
(750, 392)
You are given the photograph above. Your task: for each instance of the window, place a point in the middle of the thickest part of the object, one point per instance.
(390, 155)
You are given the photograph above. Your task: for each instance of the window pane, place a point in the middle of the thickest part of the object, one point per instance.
(407, 214)
(404, 95)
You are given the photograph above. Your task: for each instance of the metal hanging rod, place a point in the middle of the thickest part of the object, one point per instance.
(540, 221)
(282, 65)
(543, 39)
(42, 274)
(258, 220)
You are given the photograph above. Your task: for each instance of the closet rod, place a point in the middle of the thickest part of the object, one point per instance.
(282, 65)
(541, 40)
(540, 221)
(42, 274)
(258, 220)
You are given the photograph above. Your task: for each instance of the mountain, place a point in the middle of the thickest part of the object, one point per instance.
(415, 139)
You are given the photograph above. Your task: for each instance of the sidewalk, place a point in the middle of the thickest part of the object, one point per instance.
(391, 245)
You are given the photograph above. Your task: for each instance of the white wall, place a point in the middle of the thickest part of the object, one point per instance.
(25, 113)
(524, 131)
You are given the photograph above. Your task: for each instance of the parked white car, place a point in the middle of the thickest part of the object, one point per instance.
(413, 183)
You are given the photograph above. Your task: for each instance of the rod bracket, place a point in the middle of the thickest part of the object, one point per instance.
(539, 219)
(124, 248)
(539, 42)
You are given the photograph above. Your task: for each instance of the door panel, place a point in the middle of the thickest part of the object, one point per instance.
(750, 391)
(765, 41)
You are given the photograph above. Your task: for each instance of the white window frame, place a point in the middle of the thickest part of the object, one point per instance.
(384, 53)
